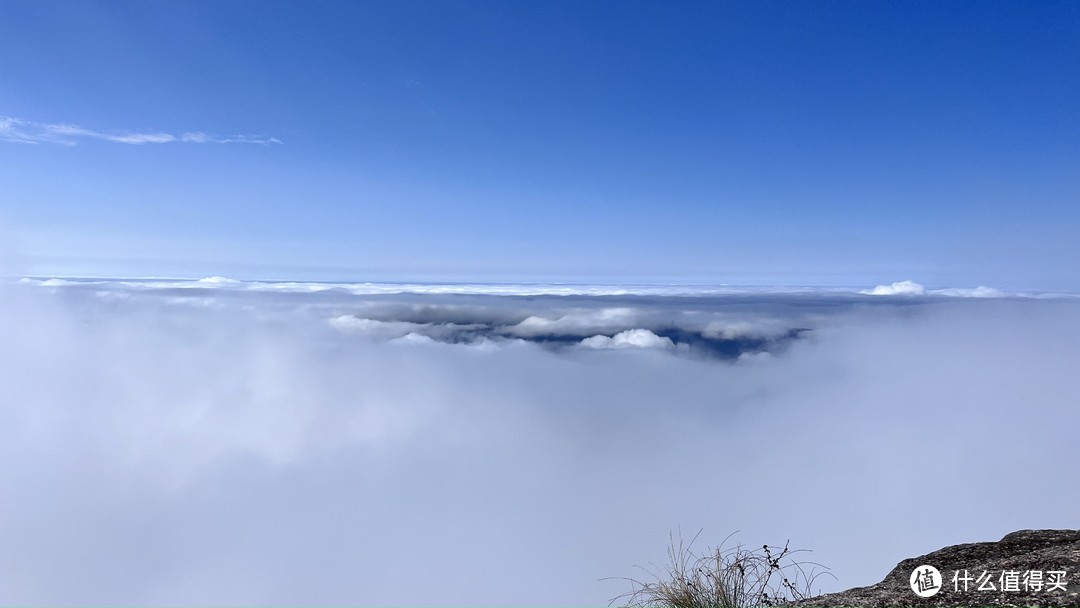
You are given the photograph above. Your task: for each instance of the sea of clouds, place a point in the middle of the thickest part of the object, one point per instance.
(226, 442)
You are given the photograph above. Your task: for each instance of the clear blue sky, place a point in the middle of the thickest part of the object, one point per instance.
(756, 142)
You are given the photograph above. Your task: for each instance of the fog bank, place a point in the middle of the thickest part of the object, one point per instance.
(221, 446)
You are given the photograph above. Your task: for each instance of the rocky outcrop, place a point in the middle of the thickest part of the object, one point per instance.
(1022, 569)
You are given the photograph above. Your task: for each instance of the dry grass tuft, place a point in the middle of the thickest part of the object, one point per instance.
(722, 577)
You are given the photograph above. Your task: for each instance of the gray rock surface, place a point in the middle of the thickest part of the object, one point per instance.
(1020, 552)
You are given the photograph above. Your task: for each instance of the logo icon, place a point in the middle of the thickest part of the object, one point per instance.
(926, 581)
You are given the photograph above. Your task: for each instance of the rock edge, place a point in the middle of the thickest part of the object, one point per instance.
(1039, 550)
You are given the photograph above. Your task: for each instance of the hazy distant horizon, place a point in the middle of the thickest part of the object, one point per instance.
(556, 287)
(645, 282)
(20, 266)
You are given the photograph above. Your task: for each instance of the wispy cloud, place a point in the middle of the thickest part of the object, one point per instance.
(66, 134)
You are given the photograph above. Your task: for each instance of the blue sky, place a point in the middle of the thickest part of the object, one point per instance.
(759, 142)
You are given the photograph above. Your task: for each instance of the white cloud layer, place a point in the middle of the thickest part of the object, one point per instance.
(559, 289)
(630, 338)
(900, 288)
(911, 288)
(66, 134)
(234, 447)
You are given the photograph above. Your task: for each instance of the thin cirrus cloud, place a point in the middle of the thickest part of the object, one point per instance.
(66, 134)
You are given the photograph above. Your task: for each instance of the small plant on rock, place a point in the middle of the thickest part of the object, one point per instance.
(735, 577)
